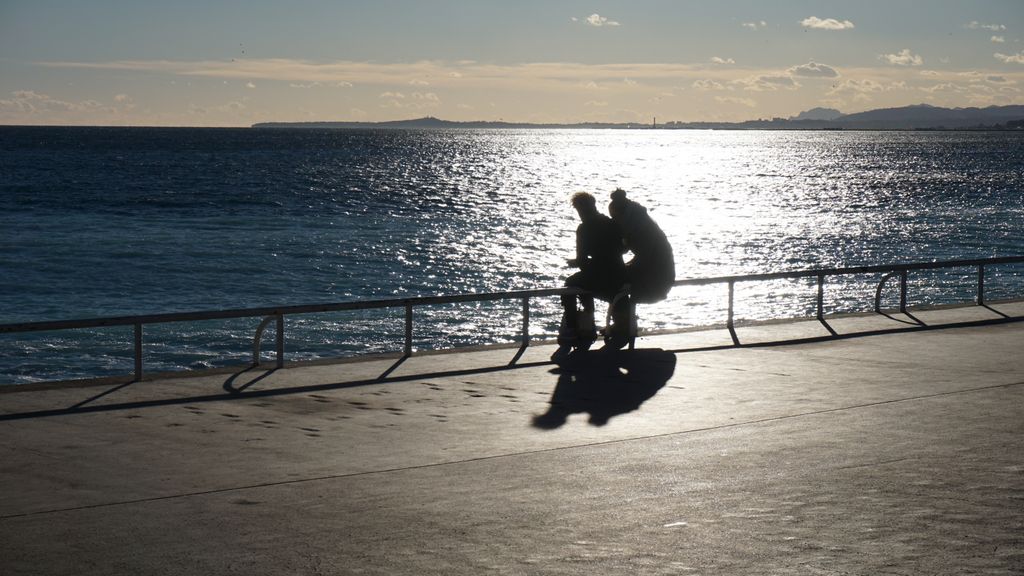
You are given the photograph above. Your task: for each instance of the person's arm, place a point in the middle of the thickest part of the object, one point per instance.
(581, 256)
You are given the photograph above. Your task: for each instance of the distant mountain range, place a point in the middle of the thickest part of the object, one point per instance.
(918, 117)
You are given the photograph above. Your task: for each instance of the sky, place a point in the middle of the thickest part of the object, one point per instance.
(235, 63)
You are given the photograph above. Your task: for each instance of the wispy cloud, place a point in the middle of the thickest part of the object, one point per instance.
(734, 100)
(717, 60)
(754, 25)
(826, 24)
(814, 70)
(768, 83)
(946, 87)
(903, 58)
(704, 84)
(858, 86)
(975, 25)
(1010, 58)
(998, 39)
(414, 100)
(32, 102)
(394, 75)
(597, 20)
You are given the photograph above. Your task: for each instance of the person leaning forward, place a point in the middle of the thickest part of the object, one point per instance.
(599, 249)
(652, 270)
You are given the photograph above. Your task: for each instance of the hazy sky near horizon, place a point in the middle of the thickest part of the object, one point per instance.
(233, 63)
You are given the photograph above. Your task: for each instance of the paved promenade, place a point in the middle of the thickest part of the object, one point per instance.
(880, 451)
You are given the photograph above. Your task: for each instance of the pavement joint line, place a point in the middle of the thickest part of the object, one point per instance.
(511, 454)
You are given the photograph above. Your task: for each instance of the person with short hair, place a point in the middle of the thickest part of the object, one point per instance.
(599, 249)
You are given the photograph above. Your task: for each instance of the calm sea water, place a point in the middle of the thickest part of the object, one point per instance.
(115, 221)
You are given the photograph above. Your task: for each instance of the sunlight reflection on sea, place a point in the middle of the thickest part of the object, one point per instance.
(148, 221)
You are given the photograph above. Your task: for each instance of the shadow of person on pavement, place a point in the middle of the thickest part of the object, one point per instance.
(604, 384)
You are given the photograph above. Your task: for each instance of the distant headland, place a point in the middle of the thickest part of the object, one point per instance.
(918, 117)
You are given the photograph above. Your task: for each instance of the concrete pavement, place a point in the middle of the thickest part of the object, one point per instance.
(878, 452)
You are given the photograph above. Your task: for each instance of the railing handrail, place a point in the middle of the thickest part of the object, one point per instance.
(408, 303)
(849, 270)
(278, 310)
(109, 321)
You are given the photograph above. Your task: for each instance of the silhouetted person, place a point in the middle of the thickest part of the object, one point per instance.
(599, 249)
(652, 270)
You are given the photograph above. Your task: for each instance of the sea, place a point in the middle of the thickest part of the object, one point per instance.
(99, 222)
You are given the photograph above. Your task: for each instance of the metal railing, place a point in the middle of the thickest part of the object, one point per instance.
(277, 314)
(890, 270)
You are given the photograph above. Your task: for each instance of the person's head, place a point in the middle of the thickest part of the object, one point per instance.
(584, 203)
(617, 207)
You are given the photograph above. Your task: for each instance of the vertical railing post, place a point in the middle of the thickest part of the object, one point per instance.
(728, 322)
(408, 329)
(903, 291)
(821, 296)
(138, 351)
(526, 321)
(981, 285)
(632, 323)
(280, 340)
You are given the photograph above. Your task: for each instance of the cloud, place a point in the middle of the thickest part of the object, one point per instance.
(996, 79)
(414, 100)
(32, 102)
(903, 58)
(734, 100)
(122, 99)
(857, 87)
(1010, 58)
(595, 103)
(826, 24)
(859, 90)
(308, 85)
(998, 39)
(250, 85)
(768, 83)
(975, 25)
(418, 82)
(754, 25)
(394, 75)
(717, 60)
(233, 107)
(814, 70)
(708, 85)
(597, 20)
(946, 87)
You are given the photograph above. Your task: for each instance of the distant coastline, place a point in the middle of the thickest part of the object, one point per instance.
(918, 117)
